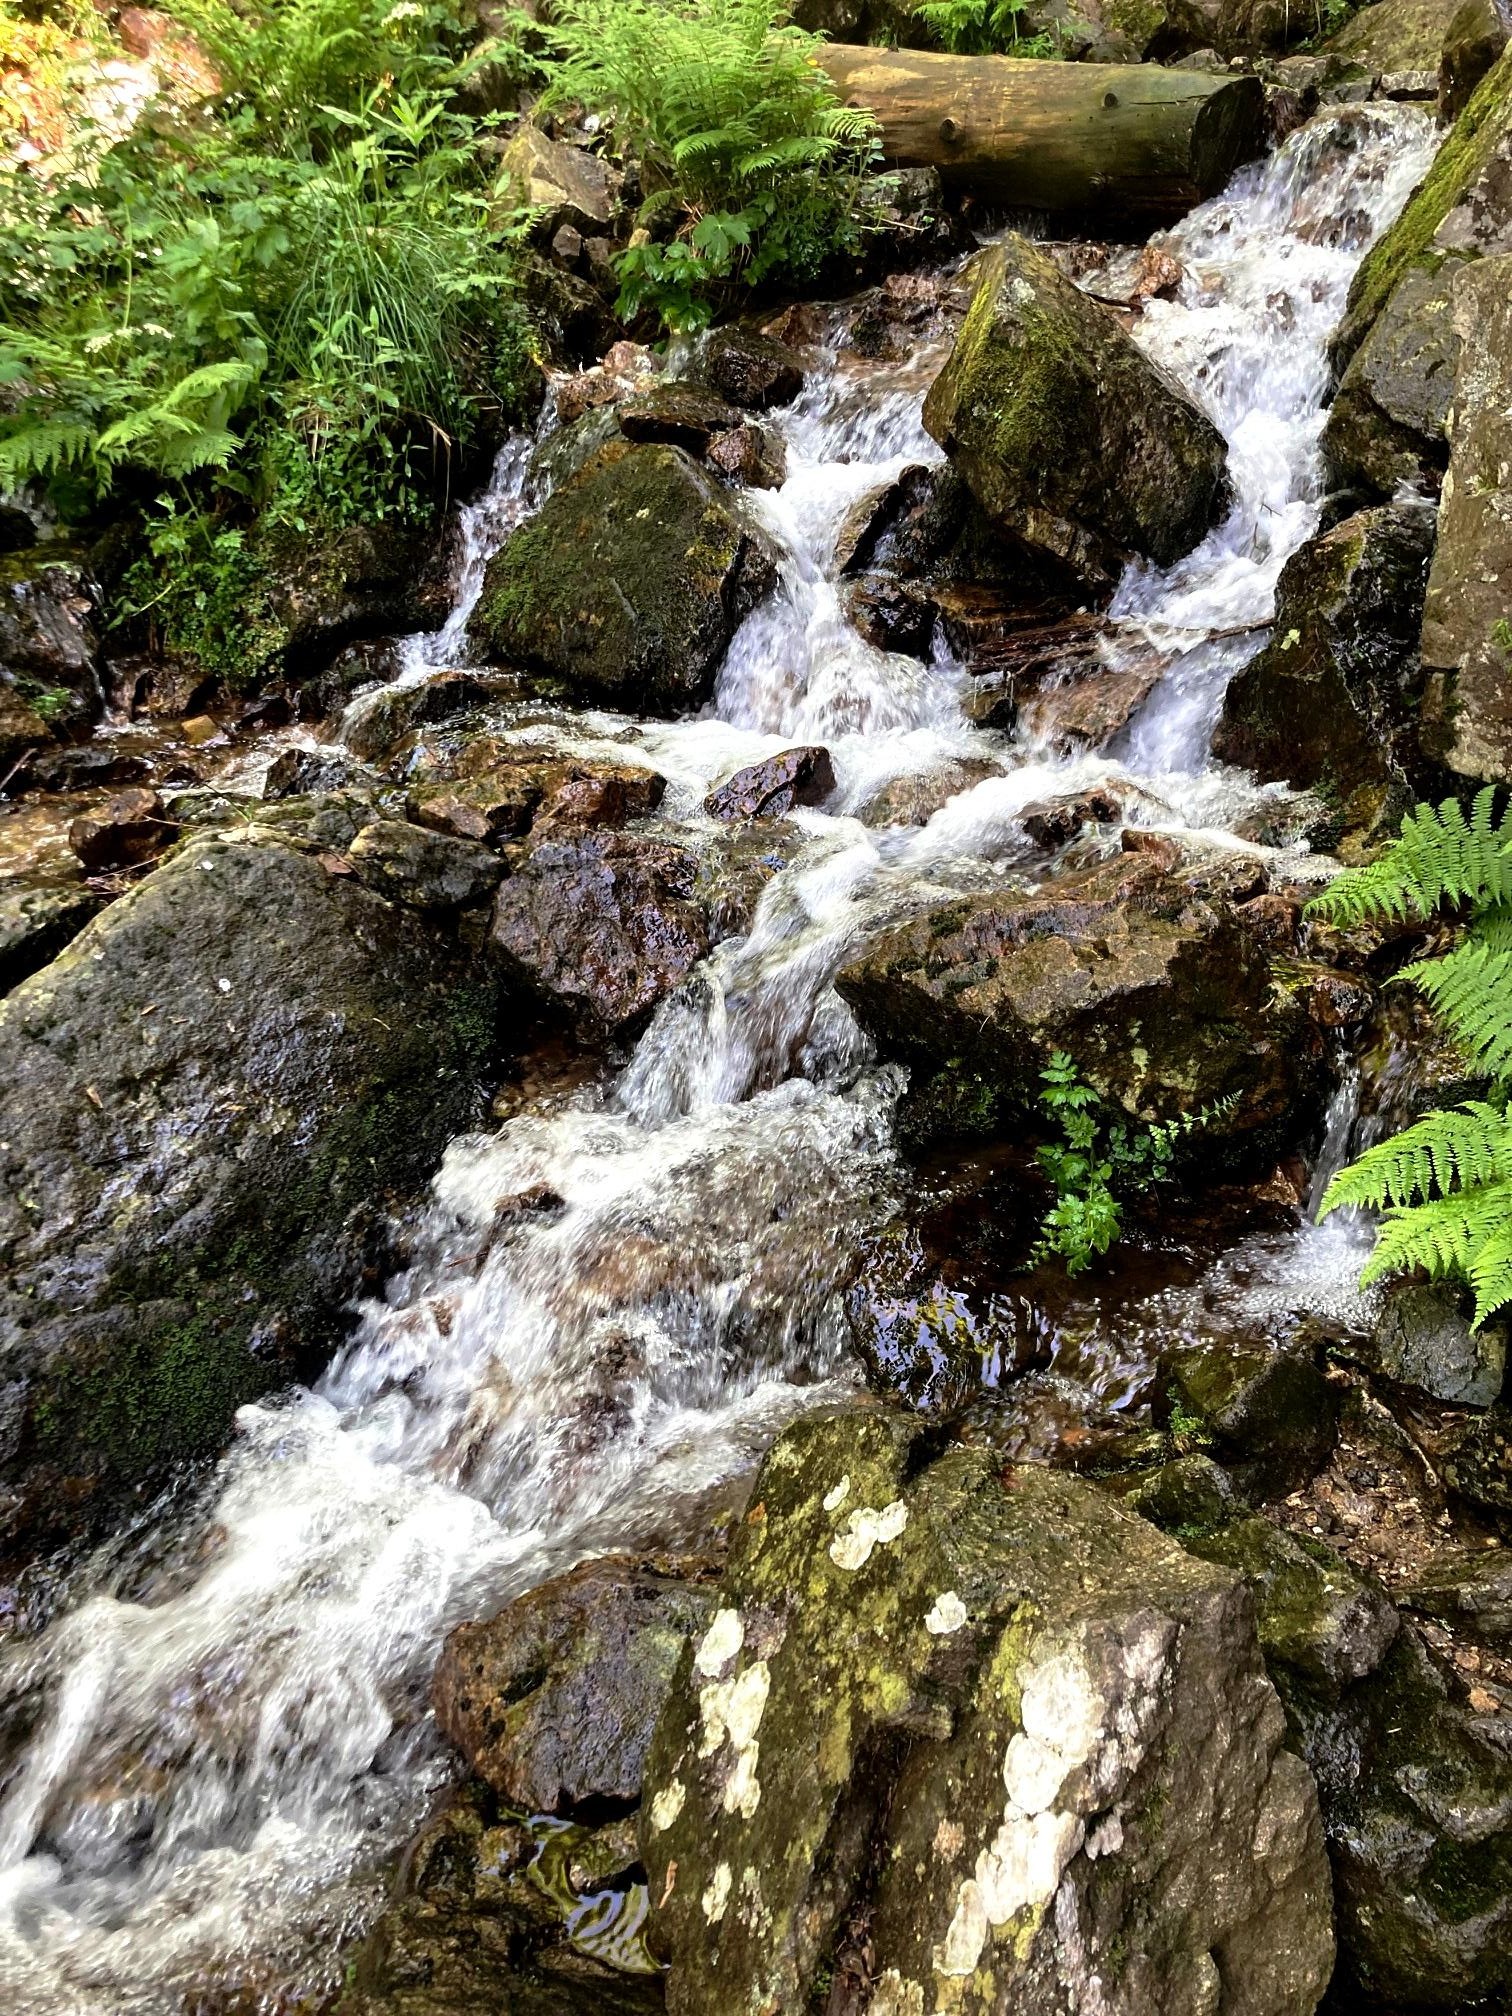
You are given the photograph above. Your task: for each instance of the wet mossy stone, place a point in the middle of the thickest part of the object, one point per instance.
(903, 1638)
(553, 1701)
(1332, 699)
(212, 1096)
(628, 584)
(50, 677)
(1160, 995)
(1072, 440)
(1270, 1411)
(1396, 348)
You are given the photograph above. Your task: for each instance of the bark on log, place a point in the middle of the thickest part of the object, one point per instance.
(1111, 140)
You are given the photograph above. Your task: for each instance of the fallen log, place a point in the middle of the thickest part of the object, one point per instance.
(1110, 140)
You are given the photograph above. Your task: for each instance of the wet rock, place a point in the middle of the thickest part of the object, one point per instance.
(1417, 1807)
(49, 648)
(892, 615)
(553, 1701)
(600, 925)
(898, 1639)
(36, 921)
(914, 798)
(215, 1092)
(165, 686)
(496, 789)
(1189, 1494)
(564, 185)
(573, 324)
(1424, 1339)
(1317, 1618)
(1468, 1585)
(371, 661)
(380, 726)
(802, 776)
(677, 413)
(427, 870)
(22, 732)
(1332, 699)
(1478, 1462)
(1160, 995)
(299, 771)
(1271, 1416)
(1071, 439)
(1467, 630)
(1394, 35)
(360, 581)
(1476, 36)
(1051, 822)
(749, 455)
(628, 584)
(125, 832)
(1397, 348)
(752, 370)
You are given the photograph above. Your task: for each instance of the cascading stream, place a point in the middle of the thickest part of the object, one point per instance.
(216, 1768)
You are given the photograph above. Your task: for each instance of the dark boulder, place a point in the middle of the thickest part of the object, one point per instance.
(425, 869)
(553, 1701)
(1332, 700)
(1477, 34)
(802, 776)
(1073, 442)
(752, 370)
(676, 413)
(213, 1095)
(125, 832)
(628, 584)
(38, 917)
(359, 582)
(1269, 1414)
(50, 673)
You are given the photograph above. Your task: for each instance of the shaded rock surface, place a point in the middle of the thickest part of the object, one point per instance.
(901, 1642)
(1424, 1339)
(553, 1701)
(752, 370)
(213, 1093)
(628, 583)
(50, 675)
(1332, 698)
(1271, 1413)
(1154, 987)
(801, 776)
(1071, 439)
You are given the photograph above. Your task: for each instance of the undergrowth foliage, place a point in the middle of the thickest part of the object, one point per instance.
(1444, 1185)
(986, 28)
(290, 304)
(751, 166)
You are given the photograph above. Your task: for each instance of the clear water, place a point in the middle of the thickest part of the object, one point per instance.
(216, 1767)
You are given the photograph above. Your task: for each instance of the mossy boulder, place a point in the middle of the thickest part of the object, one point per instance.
(50, 679)
(1477, 34)
(553, 1702)
(1392, 36)
(1160, 995)
(1397, 348)
(628, 584)
(1331, 701)
(992, 1728)
(1266, 1410)
(1467, 618)
(212, 1096)
(1074, 443)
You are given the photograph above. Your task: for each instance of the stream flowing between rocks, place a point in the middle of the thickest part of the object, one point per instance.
(219, 1766)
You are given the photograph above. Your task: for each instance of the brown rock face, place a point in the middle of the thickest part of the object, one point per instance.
(553, 1702)
(752, 370)
(1151, 984)
(1071, 439)
(124, 832)
(1467, 620)
(601, 925)
(803, 776)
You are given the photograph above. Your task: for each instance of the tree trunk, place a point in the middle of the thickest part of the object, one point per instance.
(1109, 140)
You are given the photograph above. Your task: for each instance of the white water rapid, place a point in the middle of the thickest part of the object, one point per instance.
(222, 1750)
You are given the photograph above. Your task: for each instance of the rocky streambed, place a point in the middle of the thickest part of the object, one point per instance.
(542, 1468)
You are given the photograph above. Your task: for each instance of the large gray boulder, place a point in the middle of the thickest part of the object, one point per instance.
(1073, 442)
(1467, 619)
(984, 1738)
(211, 1097)
(1397, 346)
(628, 583)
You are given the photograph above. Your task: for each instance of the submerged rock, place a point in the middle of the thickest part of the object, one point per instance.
(628, 583)
(991, 1725)
(1155, 988)
(213, 1093)
(553, 1701)
(1071, 439)
(1467, 621)
(1397, 347)
(1332, 699)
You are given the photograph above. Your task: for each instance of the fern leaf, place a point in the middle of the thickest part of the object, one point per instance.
(1471, 989)
(1439, 855)
(1442, 1152)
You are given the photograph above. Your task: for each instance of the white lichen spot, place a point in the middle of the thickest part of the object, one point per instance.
(948, 1614)
(720, 1643)
(893, 1996)
(731, 1712)
(742, 1792)
(667, 1804)
(717, 1896)
(865, 1530)
(835, 1498)
(949, 1840)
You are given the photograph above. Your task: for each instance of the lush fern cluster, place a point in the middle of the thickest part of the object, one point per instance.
(1444, 1185)
(986, 28)
(751, 165)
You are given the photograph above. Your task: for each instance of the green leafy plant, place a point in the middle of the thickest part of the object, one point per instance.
(986, 28)
(1444, 1184)
(1096, 1159)
(751, 165)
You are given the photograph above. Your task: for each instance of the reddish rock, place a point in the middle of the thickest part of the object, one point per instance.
(124, 832)
(801, 776)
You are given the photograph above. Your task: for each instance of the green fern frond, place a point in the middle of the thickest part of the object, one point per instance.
(1438, 1238)
(1441, 1153)
(1439, 855)
(1470, 988)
